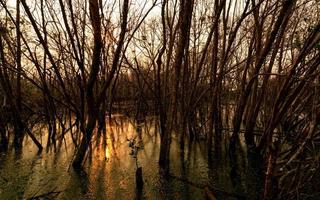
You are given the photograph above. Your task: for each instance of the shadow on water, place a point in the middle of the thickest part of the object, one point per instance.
(109, 172)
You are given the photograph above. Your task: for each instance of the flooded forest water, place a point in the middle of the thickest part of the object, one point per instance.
(160, 99)
(109, 172)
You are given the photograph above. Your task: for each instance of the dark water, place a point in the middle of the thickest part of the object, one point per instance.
(109, 172)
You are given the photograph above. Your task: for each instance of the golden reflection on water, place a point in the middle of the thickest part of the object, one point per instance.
(107, 156)
(109, 168)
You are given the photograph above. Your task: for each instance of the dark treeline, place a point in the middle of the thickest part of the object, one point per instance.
(245, 68)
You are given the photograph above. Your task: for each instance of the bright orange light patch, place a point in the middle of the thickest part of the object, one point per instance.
(108, 153)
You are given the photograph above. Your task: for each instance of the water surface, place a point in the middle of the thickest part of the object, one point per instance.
(109, 172)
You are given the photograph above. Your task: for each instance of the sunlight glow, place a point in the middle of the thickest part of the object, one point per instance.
(108, 153)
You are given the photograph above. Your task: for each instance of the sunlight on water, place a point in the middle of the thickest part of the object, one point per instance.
(109, 171)
(107, 157)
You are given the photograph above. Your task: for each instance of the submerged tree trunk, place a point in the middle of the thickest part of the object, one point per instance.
(270, 185)
(86, 139)
(19, 127)
(3, 139)
(93, 108)
(164, 157)
(161, 106)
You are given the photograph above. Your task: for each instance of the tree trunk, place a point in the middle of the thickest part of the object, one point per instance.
(81, 152)
(93, 108)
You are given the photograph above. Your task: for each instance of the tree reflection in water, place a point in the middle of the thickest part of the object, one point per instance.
(109, 172)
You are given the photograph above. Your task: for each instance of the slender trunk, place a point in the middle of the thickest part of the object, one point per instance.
(270, 185)
(18, 56)
(3, 139)
(217, 118)
(18, 128)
